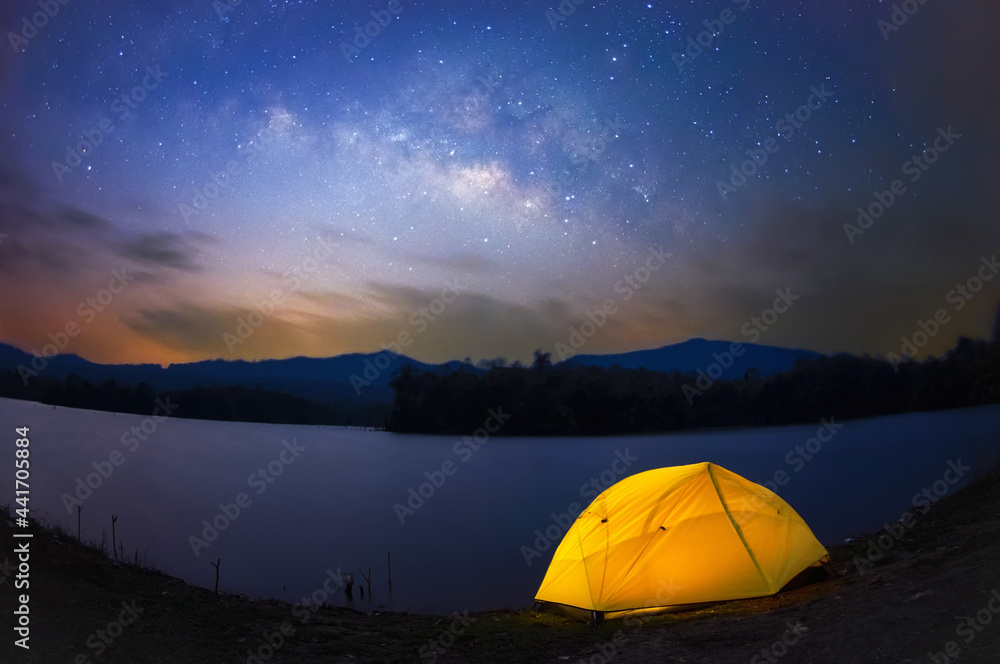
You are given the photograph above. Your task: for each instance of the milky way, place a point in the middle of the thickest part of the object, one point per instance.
(332, 168)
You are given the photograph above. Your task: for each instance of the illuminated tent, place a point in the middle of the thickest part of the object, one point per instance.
(677, 536)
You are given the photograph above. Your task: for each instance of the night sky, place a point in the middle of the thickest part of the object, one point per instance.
(537, 159)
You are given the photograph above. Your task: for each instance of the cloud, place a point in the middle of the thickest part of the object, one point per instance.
(47, 239)
(65, 240)
(185, 326)
(170, 250)
(325, 324)
(83, 220)
(853, 298)
(462, 262)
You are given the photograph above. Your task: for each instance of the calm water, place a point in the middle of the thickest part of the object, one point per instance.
(333, 505)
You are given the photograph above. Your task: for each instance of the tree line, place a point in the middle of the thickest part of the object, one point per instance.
(566, 399)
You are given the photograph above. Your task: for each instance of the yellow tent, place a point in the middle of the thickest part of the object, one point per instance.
(674, 536)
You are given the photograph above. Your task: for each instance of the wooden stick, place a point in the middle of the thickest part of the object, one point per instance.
(216, 566)
(368, 580)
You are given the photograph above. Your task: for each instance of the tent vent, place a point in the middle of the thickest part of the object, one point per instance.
(604, 520)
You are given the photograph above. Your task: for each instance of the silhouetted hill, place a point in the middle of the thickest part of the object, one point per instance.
(696, 354)
(576, 399)
(691, 385)
(328, 380)
(324, 380)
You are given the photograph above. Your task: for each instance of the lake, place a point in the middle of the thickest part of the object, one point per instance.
(319, 498)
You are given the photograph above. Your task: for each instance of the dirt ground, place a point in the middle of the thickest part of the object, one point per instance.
(933, 596)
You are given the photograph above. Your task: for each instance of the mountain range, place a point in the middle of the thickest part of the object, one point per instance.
(365, 376)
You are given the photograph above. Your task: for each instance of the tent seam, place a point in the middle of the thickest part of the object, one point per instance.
(583, 556)
(649, 540)
(739, 531)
